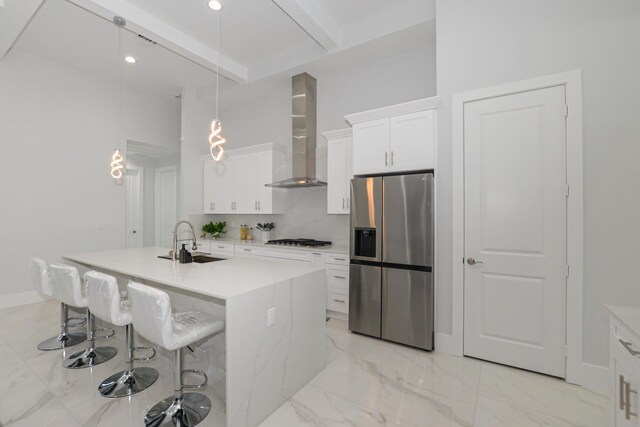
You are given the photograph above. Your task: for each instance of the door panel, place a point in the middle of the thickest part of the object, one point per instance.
(364, 299)
(515, 227)
(337, 176)
(407, 309)
(407, 220)
(135, 206)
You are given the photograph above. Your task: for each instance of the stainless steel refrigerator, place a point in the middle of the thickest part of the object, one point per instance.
(391, 270)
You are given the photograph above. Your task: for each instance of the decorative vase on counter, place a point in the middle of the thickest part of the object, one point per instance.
(266, 236)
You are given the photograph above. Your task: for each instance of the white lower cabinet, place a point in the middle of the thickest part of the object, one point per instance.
(624, 353)
(337, 268)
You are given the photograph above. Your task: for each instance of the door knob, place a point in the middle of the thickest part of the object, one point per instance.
(134, 231)
(472, 261)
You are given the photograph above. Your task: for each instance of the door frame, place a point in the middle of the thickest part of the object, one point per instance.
(156, 201)
(572, 80)
(140, 172)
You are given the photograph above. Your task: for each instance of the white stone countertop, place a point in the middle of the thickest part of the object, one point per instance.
(342, 249)
(219, 279)
(628, 316)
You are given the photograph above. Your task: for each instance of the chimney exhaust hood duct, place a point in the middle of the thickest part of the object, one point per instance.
(303, 115)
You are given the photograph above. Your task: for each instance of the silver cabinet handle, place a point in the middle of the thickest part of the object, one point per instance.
(392, 157)
(627, 397)
(472, 261)
(629, 347)
(340, 277)
(621, 383)
(343, 203)
(259, 207)
(316, 253)
(339, 259)
(385, 158)
(339, 300)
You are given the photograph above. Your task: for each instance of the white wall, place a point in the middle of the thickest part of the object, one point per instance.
(497, 41)
(264, 115)
(58, 130)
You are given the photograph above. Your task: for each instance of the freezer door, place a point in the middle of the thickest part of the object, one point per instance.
(407, 307)
(366, 219)
(408, 220)
(364, 299)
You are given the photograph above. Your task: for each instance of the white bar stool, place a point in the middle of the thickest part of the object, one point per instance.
(104, 301)
(42, 284)
(153, 320)
(67, 287)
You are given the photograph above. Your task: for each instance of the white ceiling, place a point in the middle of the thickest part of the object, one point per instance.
(259, 38)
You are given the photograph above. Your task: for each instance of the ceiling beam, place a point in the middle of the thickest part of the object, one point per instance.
(15, 16)
(140, 22)
(313, 20)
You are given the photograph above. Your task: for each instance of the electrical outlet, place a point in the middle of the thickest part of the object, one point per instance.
(271, 316)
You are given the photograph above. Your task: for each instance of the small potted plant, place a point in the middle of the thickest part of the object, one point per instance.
(215, 229)
(266, 230)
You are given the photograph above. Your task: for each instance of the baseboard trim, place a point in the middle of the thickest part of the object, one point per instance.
(445, 343)
(595, 378)
(20, 298)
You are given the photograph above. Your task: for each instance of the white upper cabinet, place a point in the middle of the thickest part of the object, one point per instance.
(339, 171)
(236, 184)
(371, 147)
(395, 139)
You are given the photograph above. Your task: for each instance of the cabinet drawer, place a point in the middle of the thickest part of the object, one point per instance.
(337, 301)
(339, 259)
(288, 255)
(203, 247)
(248, 251)
(222, 248)
(338, 278)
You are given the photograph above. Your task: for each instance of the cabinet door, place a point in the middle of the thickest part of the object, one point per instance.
(246, 184)
(337, 183)
(208, 186)
(217, 179)
(412, 141)
(371, 147)
(626, 394)
(347, 187)
(264, 176)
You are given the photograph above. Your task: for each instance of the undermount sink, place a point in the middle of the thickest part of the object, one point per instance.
(200, 259)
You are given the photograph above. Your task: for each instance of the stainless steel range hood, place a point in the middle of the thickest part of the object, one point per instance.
(303, 153)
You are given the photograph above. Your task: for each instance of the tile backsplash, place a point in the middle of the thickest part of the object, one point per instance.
(305, 215)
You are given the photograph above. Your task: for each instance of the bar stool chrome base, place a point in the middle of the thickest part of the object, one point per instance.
(186, 412)
(62, 341)
(89, 357)
(127, 383)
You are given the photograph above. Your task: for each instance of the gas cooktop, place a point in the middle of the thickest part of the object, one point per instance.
(304, 243)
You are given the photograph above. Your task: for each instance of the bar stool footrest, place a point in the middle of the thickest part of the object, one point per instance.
(110, 333)
(143, 359)
(195, 386)
(81, 320)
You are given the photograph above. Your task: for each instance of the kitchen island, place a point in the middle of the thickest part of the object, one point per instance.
(265, 365)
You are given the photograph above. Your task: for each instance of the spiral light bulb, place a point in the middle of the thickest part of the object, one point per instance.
(216, 140)
(117, 164)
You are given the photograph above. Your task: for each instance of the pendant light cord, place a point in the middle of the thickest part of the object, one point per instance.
(218, 67)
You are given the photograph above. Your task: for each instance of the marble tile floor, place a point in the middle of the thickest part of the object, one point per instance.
(367, 382)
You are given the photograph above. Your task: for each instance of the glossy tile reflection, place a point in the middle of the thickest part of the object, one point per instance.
(366, 382)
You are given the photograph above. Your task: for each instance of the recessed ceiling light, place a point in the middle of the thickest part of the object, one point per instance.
(215, 5)
(130, 59)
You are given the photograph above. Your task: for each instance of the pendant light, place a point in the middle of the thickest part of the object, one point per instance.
(117, 161)
(215, 138)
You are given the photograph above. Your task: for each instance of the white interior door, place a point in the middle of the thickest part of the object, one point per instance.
(135, 198)
(515, 230)
(166, 197)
